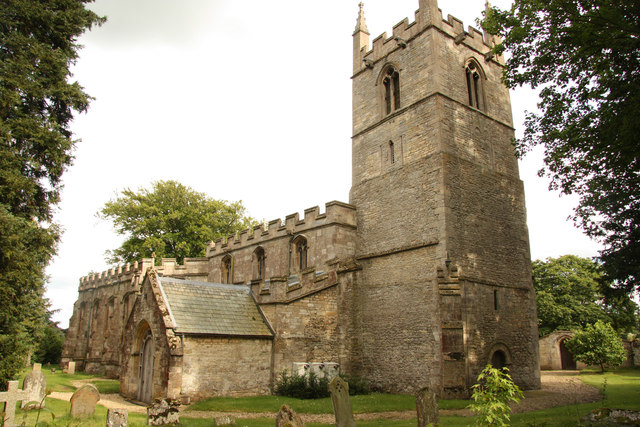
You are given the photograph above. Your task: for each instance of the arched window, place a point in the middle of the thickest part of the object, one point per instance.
(475, 84)
(300, 253)
(227, 269)
(259, 263)
(390, 85)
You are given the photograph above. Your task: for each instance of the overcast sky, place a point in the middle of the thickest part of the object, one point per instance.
(242, 100)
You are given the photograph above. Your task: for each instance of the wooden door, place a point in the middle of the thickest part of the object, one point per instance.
(145, 378)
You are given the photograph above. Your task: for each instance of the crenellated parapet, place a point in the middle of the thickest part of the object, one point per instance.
(428, 16)
(136, 270)
(336, 213)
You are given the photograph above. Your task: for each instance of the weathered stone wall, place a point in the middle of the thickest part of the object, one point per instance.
(104, 303)
(329, 239)
(222, 366)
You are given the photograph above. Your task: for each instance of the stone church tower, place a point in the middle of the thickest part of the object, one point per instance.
(441, 223)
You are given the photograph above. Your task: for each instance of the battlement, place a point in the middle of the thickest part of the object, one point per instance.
(137, 269)
(403, 32)
(335, 213)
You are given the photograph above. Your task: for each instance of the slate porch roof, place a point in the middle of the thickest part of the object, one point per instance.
(211, 308)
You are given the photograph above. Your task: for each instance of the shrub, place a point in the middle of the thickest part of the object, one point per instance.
(491, 397)
(307, 386)
(357, 385)
(597, 344)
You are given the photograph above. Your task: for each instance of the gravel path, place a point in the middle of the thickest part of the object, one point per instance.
(559, 388)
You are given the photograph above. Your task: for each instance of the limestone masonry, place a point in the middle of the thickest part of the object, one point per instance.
(420, 281)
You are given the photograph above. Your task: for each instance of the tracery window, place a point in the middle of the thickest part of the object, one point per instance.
(475, 86)
(259, 263)
(227, 270)
(300, 253)
(391, 89)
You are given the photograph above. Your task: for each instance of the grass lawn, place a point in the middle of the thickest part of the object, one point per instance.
(374, 402)
(621, 389)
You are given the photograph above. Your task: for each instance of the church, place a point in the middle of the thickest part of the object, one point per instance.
(421, 280)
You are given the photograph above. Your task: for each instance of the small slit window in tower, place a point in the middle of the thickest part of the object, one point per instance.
(392, 153)
(391, 82)
(495, 300)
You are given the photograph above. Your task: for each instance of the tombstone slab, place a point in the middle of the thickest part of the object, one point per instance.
(117, 417)
(163, 412)
(225, 421)
(427, 407)
(71, 368)
(287, 417)
(339, 389)
(35, 384)
(84, 400)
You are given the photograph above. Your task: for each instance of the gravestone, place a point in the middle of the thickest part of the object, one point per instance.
(12, 396)
(339, 389)
(84, 400)
(163, 412)
(427, 406)
(71, 368)
(225, 421)
(35, 384)
(287, 417)
(117, 417)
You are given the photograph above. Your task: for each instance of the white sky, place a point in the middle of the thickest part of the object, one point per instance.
(242, 100)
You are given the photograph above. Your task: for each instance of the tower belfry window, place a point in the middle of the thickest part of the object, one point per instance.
(474, 85)
(391, 85)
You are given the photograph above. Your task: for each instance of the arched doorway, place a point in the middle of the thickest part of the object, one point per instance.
(498, 359)
(145, 369)
(566, 358)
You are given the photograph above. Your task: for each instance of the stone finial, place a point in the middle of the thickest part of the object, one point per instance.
(428, 12)
(361, 24)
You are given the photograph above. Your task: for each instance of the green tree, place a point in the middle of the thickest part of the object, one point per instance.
(171, 220)
(584, 56)
(570, 293)
(38, 44)
(597, 344)
(49, 347)
(491, 397)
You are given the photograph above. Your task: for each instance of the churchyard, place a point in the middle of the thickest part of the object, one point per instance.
(621, 390)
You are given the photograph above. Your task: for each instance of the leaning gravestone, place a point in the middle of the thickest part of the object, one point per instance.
(84, 400)
(287, 417)
(71, 368)
(117, 417)
(163, 412)
(427, 406)
(339, 389)
(35, 384)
